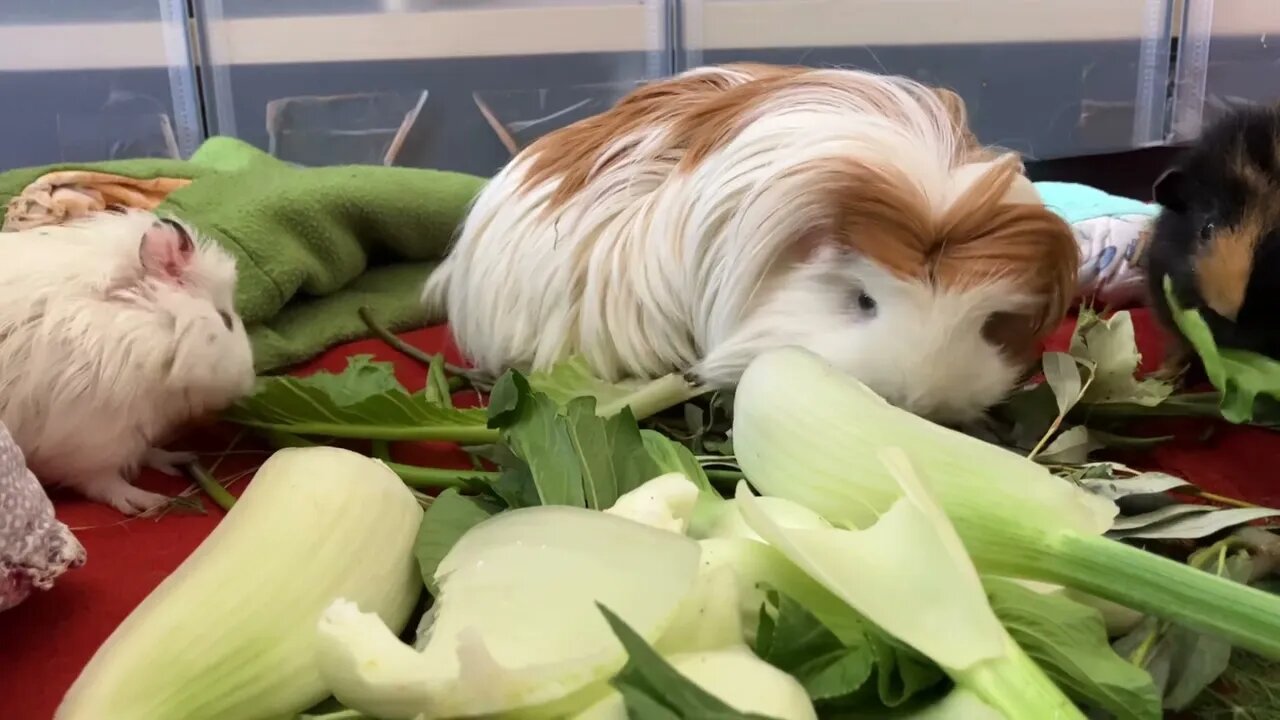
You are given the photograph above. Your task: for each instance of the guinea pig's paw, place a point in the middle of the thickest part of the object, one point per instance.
(166, 461)
(121, 495)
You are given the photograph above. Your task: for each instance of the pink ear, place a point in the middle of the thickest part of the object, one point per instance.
(166, 250)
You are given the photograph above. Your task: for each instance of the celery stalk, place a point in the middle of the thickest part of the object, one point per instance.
(809, 433)
(1143, 581)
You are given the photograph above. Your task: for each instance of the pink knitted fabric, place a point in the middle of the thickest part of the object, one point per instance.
(35, 548)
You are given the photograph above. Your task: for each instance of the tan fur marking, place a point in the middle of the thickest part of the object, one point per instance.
(703, 111)
(881, 214)
(575, 152)
(1224, 266)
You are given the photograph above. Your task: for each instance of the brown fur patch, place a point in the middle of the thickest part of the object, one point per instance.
(881, 214)
(703, 112)
(1224, 264)
(575, 152)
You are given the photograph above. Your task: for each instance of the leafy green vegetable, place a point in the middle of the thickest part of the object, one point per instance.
(1239, 375)
(450, 516)
(671, 456)
(571, 379)
(648, 675)
(797, 643)
(1109, 347)
(1069, 641)
(1181, 661)
(365, 401)
(569, 454)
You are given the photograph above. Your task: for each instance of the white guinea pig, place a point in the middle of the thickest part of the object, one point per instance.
(114, 330)
(714, 215)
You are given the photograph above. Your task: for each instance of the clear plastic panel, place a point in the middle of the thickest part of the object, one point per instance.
(89, 80)
(1228, 54)
(421, 83)
(1049, 78)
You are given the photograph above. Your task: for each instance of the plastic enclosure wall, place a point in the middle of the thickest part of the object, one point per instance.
(460, 84)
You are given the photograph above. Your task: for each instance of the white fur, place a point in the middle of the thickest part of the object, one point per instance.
(649, 270)
(100, 361)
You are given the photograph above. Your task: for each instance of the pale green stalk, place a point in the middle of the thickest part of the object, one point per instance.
(809, 433)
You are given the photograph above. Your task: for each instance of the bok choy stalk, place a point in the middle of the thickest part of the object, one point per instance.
(231, 633)
(894, 572)
(807, 432)
(516, 628)
(735, 676)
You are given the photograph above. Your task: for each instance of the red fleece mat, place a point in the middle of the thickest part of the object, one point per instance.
(45, 641)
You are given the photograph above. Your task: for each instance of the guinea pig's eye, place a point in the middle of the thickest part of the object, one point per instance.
(865, 303)
(1206, 231)
(226, 318)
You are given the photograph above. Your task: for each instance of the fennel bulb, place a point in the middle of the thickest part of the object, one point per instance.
(231, 633)
(516, 628)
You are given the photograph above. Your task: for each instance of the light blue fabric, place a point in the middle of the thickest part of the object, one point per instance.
(1077, 203)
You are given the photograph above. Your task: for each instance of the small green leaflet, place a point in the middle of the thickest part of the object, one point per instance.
(795, 642)
(572, 379)
(1069, 641)
(364, 401)
(653, 690)
(672, 457)
(450, 516)
(1181, 661)
(1111, 349)
(1240, 376)
(568, 454)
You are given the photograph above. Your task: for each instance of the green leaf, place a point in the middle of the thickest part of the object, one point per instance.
(1239, 375)
(1073, 445)
(1183, 662)
(1110, 347)
(648, 674)
(450, 516)
(671, 456)
(571, 378)
(1063, 376)
(505, 398)
(364, 401)
(642, 707)
(568, 455)
(540, 437)
(1069, 641)
(611, 451)
(797, 643)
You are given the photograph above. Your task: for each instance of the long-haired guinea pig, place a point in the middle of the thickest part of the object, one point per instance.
(731, 209)
(1218, 235)
(114, 330)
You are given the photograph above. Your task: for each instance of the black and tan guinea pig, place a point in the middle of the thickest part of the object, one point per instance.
(1218, 236)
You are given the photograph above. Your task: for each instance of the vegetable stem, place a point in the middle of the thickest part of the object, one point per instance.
(425, 477)
(476, 435)
(1016, 686)
(1137, 579)
(211, 487)
(654, 397)
(388, 337)
(726, 477)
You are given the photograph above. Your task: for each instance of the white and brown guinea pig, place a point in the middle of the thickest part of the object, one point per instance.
(732, 209)
(114, 330)
(1218, 235)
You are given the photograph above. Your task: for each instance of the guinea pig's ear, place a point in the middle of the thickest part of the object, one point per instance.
(166, 250)
(1170, 190)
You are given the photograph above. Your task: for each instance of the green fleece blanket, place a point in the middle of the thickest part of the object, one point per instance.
(312, 244)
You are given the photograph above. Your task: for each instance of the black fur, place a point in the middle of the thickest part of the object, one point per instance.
(1206, 192)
